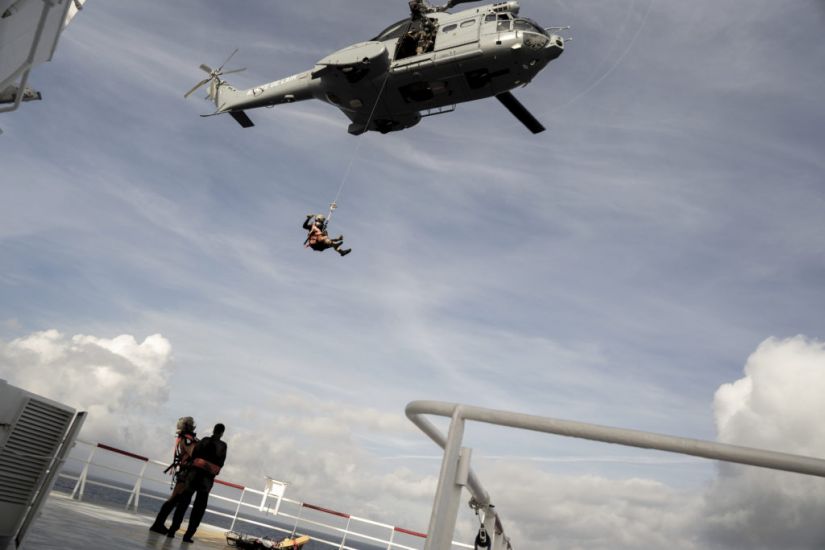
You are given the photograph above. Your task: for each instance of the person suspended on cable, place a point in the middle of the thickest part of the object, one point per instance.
(317, 237)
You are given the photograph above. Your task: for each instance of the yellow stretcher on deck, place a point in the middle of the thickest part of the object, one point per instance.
(239, 540)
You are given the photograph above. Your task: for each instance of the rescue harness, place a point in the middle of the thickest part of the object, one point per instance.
(184, 445)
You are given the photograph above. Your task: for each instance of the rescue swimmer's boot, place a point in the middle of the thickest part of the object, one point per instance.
(345, 251)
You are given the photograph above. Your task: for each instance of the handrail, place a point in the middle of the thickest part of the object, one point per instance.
(124, 453)
(633, 438)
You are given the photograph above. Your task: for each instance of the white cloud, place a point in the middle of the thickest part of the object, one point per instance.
(777, 405)
(118, 380)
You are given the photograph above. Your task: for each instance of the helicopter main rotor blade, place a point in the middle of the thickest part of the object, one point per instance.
(452, 3)
(520, 112)
(198, 85)
(227, 59)
(206, 68)
(233, 71)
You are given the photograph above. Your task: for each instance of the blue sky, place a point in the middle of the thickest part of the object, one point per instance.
(618, 268)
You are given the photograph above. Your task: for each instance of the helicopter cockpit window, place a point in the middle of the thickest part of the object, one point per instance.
(503, 22)
(490, 17)
(396, 30)
(528, 25)
(449, 28)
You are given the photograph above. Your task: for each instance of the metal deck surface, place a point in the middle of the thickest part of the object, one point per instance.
(67, 524)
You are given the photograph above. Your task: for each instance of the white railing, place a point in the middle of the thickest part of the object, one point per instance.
(393, 537)
(456, 472)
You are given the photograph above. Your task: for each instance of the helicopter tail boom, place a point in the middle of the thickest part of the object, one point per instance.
(225, 97)
(228, 99)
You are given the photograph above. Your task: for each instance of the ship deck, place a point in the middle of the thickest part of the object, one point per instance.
(66, 524)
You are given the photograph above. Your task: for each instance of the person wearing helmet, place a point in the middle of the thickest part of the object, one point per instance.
(317, 237)
(181, 463)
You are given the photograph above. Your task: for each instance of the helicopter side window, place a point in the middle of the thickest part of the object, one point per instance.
(490, 17)
(449, 28)
(468, 23)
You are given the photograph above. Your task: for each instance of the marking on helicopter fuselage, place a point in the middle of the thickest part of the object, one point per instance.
(261, 89)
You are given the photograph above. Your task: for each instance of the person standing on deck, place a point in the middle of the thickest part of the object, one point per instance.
(182, 461)
(208, 458)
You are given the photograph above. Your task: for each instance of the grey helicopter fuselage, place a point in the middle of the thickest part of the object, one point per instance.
(390, 82)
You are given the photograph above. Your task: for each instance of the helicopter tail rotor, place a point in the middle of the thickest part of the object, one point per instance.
(214, 79)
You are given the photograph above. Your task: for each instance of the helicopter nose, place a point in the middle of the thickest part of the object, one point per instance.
(554, 47)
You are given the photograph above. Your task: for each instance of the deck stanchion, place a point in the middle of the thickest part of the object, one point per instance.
(80, 486)
(297, 520)
(134, 496)
(346, 531)
(392, 537)
(237, 510)
(448, 492)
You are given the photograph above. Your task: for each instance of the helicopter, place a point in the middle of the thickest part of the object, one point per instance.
(423, 65)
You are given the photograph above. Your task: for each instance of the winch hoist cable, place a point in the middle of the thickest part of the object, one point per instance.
(334, 204)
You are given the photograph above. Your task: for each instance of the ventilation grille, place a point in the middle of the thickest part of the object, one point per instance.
(34, 440)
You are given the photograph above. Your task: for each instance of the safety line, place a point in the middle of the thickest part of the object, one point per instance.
(354, 156)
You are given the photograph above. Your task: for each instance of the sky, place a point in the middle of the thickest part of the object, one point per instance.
(653, 261)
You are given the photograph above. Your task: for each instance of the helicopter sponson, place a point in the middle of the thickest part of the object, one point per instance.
(416, 67)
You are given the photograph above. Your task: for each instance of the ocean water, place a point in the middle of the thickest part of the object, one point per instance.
(150, 506)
